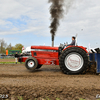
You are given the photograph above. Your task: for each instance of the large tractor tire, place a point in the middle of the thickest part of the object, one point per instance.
(31, 63)
(39, 66)
(73, 60)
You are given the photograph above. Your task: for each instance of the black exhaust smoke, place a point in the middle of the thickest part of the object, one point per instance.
(57, 12)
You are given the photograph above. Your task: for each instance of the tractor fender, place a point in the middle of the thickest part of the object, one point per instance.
(84, 48)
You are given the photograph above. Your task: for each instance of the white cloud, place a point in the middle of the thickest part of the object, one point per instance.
(85, 16)
(11, 9)
(12, 31)
(32, 16)
(36, 11)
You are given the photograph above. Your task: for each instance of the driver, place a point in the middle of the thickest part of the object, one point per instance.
(72, 43)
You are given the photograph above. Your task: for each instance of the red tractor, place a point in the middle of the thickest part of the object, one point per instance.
(72, 59)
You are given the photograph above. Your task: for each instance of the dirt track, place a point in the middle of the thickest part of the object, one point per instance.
(48, 81)
(7, 60)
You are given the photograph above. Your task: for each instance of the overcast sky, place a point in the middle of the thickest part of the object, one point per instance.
(27, 22)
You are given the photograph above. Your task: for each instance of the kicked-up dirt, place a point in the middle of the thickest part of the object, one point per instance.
(16, 82)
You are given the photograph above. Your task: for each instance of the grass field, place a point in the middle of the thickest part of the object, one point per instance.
(9, 61)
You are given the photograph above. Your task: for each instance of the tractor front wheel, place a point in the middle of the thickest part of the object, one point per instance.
(31, 63)
(73, 60)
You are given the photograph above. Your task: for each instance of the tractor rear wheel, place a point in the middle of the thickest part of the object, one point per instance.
(31, 63)
(73, 60)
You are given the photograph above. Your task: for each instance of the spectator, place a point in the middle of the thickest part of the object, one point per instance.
(16, 58)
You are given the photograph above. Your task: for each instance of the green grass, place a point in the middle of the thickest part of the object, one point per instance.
(8, 58)
(57, 98)
(11, 63)
(82, 99)
(20, 98)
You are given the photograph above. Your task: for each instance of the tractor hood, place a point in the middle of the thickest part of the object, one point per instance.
(44, 47)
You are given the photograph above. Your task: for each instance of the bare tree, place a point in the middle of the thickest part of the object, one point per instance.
(3, 46)
(9, 47)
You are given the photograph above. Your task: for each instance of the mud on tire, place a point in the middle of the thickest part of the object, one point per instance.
(73, 60)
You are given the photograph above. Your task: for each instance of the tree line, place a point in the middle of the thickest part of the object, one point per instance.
(4, 46)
